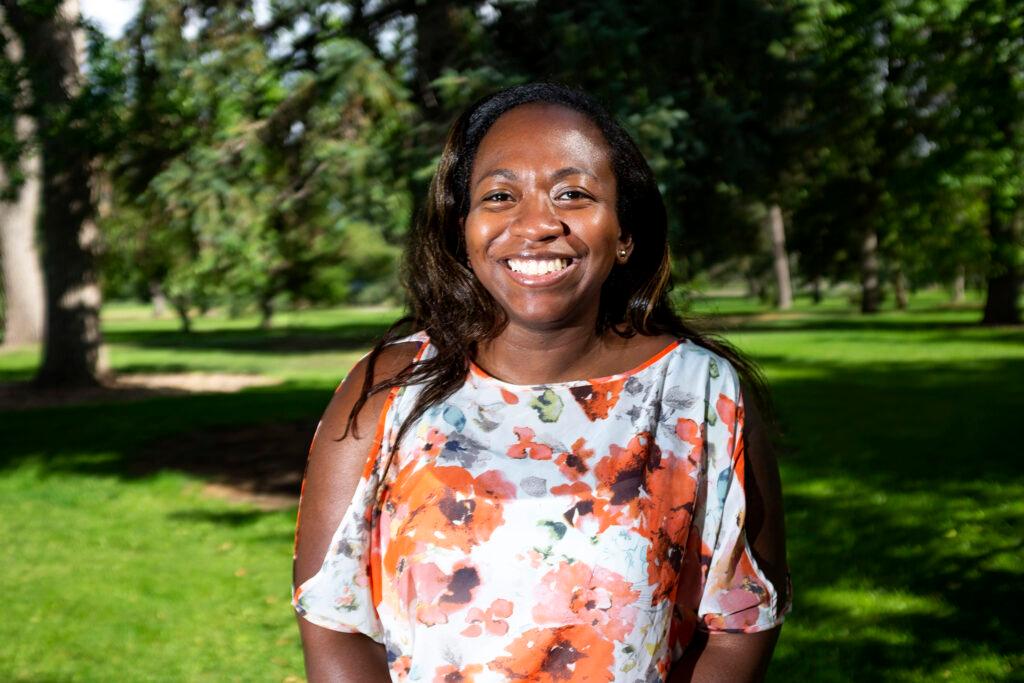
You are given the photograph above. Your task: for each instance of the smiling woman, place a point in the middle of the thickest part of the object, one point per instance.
(542, 233)
(563, 480)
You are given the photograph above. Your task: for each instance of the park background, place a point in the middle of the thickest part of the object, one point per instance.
(203, 212)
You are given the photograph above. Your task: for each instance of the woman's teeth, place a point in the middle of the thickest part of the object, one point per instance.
(538, 267)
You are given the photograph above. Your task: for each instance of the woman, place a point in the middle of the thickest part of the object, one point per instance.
(511, 516)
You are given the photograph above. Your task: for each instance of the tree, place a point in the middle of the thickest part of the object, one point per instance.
(54, 51)
(780, 258)
(24, 305)
(259, 172)
(986, 46)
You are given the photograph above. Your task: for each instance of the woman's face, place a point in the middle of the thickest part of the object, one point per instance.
(542, 233)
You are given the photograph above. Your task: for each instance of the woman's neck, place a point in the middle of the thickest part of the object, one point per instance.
(524, 356)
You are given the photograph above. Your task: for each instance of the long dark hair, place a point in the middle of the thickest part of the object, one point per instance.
(457, 313)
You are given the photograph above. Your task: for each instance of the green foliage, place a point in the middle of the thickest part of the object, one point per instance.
(278, 165)
(240, 154)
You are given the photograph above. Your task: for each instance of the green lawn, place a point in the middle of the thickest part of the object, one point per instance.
(902, 475)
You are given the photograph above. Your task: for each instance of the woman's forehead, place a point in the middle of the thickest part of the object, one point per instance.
(545, 134)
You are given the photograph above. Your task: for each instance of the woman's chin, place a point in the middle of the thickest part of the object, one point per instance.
(549, 319)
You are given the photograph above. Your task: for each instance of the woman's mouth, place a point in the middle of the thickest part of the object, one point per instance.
(539, 271)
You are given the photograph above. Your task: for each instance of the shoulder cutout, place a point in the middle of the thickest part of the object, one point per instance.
(335, 464)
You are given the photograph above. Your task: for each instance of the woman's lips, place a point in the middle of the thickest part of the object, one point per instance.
(522, 275)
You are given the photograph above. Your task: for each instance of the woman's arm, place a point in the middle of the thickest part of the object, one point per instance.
(744, 657)
(725, 657)
(332, 473)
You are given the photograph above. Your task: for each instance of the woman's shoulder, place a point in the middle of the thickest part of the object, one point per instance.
(385, 365)
(393, 357)
(396, 356)
(718, 366)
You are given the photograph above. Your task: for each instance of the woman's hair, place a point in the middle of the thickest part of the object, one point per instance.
(457, 313)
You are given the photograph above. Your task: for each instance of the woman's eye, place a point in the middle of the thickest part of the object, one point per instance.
(574, 195)
(498, 197)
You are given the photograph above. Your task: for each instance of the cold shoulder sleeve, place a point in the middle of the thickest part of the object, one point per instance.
(343, 595)
(721, 587)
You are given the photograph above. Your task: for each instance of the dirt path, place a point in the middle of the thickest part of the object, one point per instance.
(261, 464)
(134, 387)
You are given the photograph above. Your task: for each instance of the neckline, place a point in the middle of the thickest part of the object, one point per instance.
(479, 372)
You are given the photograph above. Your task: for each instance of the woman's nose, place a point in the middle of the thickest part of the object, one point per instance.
(537, 220)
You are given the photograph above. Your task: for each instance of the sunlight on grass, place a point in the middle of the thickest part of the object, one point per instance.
(904, 496)
(141, 581)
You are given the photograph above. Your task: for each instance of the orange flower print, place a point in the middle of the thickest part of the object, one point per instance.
(439, 594)
(597, 398)
(621, 474)
(575, 593)
(539, 533)
(527, 447)
(493, 619)
(574, 465)
(689, 432)
(692, 573)
(740, 593)
(400, 667)
(732, 415)
(586, 512)
(433, 442)
(444, 507)
(449, 673)
(739, 609)
(666, 514)
(569, 653)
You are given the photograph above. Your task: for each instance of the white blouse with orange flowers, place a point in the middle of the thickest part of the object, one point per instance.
(574, 531)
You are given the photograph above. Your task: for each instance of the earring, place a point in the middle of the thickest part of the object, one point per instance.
(622, 254)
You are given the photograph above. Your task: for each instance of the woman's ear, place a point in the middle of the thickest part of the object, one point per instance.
(625, 248)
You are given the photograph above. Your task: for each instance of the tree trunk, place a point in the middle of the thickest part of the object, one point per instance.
(960, 285)
(266, 312)
(24, 296)
(435, 43)
(777, 232)
(157, 298)
(899, 288)
(870, 294)
(816, 295)
(181, 308)
(1003, 274)
(437, 46)
(53, 57)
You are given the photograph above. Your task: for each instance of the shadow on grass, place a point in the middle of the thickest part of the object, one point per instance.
(895, 323)
(904, 542)
(903, 489)
(756, 323)
(255, 440)
(304, 339)
(231, 518)
(881, 591)
(359, 336)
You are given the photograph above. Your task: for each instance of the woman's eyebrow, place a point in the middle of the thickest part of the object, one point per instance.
(555, 177)
(500, 172)
(568, 171)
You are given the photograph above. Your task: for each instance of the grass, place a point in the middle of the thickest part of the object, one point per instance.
(904, 495)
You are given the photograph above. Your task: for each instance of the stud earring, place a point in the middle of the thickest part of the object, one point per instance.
(622, 254)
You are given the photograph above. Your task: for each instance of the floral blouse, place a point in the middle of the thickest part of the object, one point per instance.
(574, 531)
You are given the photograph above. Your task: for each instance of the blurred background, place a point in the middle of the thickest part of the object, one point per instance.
(203, 208)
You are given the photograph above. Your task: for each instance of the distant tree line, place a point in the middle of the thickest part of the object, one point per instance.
(213, 156)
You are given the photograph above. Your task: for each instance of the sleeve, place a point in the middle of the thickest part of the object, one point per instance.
(343, 595)
(721, 587)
